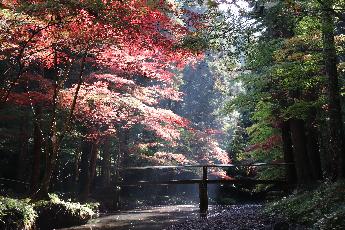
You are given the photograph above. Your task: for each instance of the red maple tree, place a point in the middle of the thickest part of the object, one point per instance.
(88, 57)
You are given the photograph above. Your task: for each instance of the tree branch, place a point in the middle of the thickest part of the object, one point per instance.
(74, 102)
(19, 58)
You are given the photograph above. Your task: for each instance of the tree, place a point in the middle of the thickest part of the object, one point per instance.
(337, 141)
(283, 88)
(62, 43)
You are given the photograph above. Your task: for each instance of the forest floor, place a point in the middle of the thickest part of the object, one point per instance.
(186, 217)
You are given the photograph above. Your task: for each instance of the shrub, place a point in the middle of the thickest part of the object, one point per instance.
(57, 213)
(16, 214)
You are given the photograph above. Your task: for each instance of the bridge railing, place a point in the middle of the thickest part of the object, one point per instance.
(204, 181)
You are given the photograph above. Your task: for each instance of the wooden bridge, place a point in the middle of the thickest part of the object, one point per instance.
(204, 181)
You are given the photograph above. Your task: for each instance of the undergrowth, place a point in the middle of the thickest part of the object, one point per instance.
(322, 208)
(57, 213)
(16, 214)
(49, 214)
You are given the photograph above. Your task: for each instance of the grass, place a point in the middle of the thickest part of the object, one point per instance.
(322, 208)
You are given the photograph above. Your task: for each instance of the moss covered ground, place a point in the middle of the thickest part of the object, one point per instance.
(321, 208)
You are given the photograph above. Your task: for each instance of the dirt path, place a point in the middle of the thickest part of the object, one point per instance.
(147, 218)
(186, 217)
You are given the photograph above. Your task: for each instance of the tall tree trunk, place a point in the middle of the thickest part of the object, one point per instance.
(23, 154)
(288, 153)
(336, 147)
(106, 164)
(313, 150)
(49, 168)
(88, 168)
(52, 142)
(123, 138)
(302, 163)
(37, 152)
(56, 137)
(93, 164)
(84, 178)
(76, 171)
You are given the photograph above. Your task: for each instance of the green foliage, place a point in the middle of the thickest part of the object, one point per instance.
(146, 150)
(94, 206)
(270, 173)
(54, 213)
(308, 25)
(260, 54)
(57, 213)
(262, 129)
(194, 43)
(16, 214)
(238, 142)
(322, 208)
(284, 79)
(300, 109)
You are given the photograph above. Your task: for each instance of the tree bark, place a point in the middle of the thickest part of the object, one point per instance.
(325, 155)
(52, 141)
(56, 138)
(106, 164)
(313, 150)
(123, 138)
(84, 177)
(76, 171)
(37, 152)
(93, 164)
(23, 155)
(336, 147)
(302, 163)
(288, 153)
